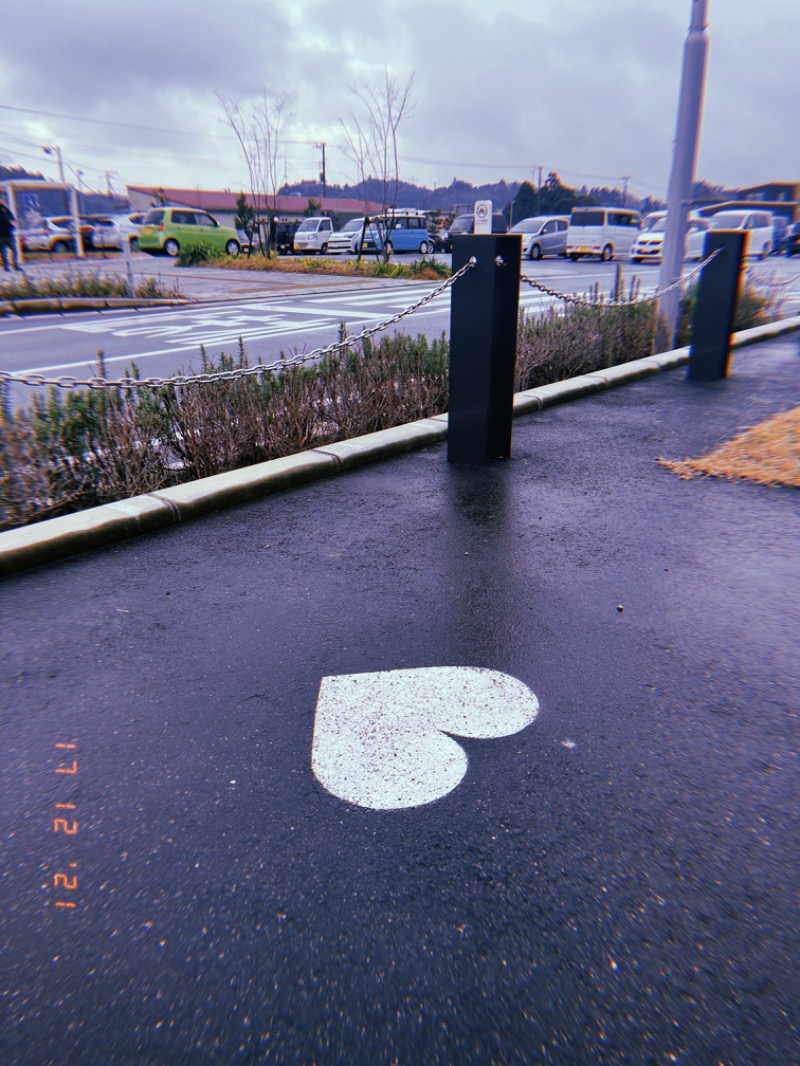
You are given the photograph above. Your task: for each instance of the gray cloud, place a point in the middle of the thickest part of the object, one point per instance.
(583, 87)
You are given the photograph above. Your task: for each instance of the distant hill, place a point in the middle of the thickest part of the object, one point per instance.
(19, 174)
(517, 200)
(447, 198)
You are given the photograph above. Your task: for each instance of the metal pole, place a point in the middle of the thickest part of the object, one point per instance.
(684, 158)
(125, 247)
(484, 307)
(12, 206)
(715, 309)
(77, 223)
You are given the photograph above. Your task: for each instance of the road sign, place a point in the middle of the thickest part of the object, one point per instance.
(382, 740)
(483, 216)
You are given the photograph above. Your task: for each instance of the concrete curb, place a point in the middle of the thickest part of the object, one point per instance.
(57, 304)
(57, 538)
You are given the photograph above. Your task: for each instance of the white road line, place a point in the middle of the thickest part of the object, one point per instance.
(232, 335)
(138, 356)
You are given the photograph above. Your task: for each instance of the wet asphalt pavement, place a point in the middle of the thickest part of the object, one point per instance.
(615, 883)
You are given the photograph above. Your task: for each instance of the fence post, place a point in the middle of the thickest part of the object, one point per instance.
(484, 309)
(717, 296)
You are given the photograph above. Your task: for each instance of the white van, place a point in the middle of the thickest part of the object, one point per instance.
(313, 234)
(758, 225)
(602, 231)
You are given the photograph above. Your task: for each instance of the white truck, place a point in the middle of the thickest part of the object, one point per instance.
(313, 235)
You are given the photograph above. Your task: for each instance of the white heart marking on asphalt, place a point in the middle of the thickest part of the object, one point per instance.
(380, 739)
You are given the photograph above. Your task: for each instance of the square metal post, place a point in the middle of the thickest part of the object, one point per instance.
(483, 346)
(717, 296)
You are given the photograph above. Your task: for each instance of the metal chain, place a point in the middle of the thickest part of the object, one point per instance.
(767, 283)
(36, 380)
(581, 302)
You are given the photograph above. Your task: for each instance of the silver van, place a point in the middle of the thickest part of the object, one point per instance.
(757, 224)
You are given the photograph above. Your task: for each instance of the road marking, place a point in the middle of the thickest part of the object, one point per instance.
(381, 740)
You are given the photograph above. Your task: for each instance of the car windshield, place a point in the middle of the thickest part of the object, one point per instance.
(152, 218)
(310, 225)
(584, 217)
(658, 222)
(528, 225)
(463, 224)
(727, 221)
(352, 225)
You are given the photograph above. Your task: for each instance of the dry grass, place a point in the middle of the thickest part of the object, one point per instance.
(421, 270)
(769, 453)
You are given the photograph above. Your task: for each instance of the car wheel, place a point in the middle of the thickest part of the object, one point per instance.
(323, 249)
(171, 247)
(60, 246)
(607, 253)
(635, 259)
(388, 248)
(536, 251)
(232, 248)
(424, 247)
(134, 244)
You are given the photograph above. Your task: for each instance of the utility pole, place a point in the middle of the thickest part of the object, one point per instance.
(324, 175)
(55, 150)
(684, 158)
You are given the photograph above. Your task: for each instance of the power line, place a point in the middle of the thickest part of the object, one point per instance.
(129, 125)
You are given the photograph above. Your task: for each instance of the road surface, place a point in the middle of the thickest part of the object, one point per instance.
(591, 858)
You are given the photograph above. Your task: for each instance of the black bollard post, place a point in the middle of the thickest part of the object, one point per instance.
(717, 296)
(483, 347)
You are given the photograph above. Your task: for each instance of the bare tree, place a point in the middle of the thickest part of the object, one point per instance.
(371, 132)
(259, 132)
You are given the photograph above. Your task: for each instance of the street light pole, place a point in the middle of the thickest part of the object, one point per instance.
(684, 158)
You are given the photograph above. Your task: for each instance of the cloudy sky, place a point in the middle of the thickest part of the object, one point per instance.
(588, 88)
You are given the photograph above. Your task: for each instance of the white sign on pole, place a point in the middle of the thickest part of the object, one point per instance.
(483, 216)
(382, 740)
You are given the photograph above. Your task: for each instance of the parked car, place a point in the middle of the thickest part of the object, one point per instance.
(649, 244)
(405, 230)
(542, 235)
(463, 225)
(440, 239)
(757, 225)
(85, 225)
(346, 240)
(313, 235)
(282, 235)
(167, 230)
(46, 236)
(602, 231)
(791, 241)
(110, 230)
